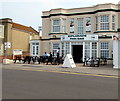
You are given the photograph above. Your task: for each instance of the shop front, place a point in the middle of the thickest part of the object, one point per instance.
(80, 46)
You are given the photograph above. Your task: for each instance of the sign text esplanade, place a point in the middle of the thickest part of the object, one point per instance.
(83, 37)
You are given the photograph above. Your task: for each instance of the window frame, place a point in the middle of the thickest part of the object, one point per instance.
(104, 49)
(113, 22)
(35, 48)
(80, 26)
(104, 22)
(54, 26)
(94, 49)
(63, 25)
(87, 49)
(54, 50)
(96, 23)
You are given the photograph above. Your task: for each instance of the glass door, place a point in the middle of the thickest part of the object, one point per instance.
(35, 49)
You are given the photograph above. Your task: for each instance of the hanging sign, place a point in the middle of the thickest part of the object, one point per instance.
(69, 62)
(72, 25)
(88, 24)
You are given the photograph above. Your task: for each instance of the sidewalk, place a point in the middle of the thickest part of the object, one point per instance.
(102, 70)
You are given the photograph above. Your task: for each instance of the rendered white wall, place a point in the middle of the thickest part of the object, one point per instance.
(116, 54)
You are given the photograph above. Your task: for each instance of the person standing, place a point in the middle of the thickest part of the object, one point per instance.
(58, 56)
(51, 58)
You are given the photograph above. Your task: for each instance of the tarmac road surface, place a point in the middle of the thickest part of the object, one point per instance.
(23, 84)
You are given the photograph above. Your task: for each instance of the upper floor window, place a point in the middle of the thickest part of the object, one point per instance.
(104, 22)
(63, 25)
(80, 26)
(96, 21)
(113, 22)
(56, 25)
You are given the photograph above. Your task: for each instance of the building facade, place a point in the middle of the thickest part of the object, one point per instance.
(17, 37)
(82, 32)
(1, 40)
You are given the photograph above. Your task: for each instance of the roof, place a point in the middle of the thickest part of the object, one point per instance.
(25, 28)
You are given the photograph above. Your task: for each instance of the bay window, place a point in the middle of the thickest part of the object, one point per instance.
(104, 22)
(113, 22)
(96, 21)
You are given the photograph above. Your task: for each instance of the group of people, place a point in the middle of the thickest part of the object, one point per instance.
(52, 54)
(45, 58)
(52, 58)
(48, 54)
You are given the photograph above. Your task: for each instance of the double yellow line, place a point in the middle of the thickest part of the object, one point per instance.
(97, 75)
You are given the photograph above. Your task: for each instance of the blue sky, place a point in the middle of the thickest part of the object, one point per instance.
(29, 12)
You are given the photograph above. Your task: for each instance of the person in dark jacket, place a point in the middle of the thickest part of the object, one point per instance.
(58, 56)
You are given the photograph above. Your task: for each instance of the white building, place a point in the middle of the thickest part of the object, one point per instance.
(86, 31)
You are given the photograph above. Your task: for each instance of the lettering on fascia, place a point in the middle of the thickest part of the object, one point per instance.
(77, 38)
(76, 35)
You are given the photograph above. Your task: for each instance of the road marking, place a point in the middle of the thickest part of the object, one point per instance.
(86, 74)
(62, 72)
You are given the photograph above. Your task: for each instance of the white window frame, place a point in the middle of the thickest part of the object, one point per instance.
(113, 22)
(62, 49)
(64, 25)
(104, 22)
(56, 26)
(35, 48)
(87, 49)
(104, 49)
(54, 50)
(65, 48)
(94, 49)
(80, 26)
(96, 21)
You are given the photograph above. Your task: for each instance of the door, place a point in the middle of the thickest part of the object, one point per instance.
(35, 49)
(77, 53)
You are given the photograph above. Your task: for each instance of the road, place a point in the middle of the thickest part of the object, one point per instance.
(23, 84)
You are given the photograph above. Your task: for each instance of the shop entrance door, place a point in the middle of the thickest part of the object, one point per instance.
(77, 52)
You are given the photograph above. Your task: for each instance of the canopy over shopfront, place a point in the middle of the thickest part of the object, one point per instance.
(80, 46)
